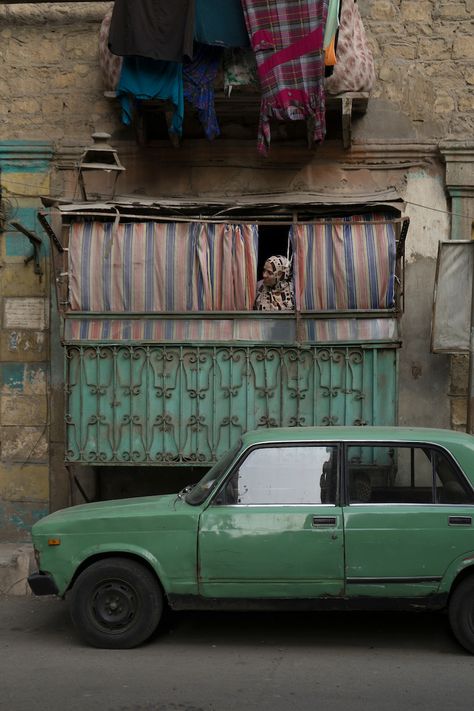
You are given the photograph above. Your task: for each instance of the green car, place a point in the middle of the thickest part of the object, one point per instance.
(299, 518)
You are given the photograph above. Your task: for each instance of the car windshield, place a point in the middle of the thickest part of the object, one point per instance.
(200, 492)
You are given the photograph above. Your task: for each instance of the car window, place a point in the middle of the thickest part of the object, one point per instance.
(199, 493)
(284, 475)
(404, 475)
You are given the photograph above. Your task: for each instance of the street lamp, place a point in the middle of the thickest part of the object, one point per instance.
(98, 159)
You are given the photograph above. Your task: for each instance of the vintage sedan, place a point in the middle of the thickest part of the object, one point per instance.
(299, 518)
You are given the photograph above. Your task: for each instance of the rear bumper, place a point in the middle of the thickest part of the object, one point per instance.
(42, 584)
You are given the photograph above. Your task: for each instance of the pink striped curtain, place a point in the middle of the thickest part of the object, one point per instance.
(162, 267)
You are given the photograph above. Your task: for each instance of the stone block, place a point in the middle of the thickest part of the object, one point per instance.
(18, 279)
(25, 107)
(414, 11)
(17, 518)
(48, 51)
(16, 563)
(463, 47)
(383, 10)
(23, 378)
(24, 482)
(466, 102)
(27, 184)
(23, 346)
(430, 48)
(458, 411)
(468, 74)
(20, 444)
(23, 410)
(452, 10)
(459, 372)
(444, 104)
(399, 50)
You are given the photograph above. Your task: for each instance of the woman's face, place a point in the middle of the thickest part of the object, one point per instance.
(269, 278)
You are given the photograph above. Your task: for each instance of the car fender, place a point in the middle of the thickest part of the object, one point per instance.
(116, 549)
(464, 561)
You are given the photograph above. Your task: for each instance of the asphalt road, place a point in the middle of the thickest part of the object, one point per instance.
(222, 661)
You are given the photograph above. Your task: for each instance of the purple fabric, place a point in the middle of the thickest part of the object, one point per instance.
(198, 78)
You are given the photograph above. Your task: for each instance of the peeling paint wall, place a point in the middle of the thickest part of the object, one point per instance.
(24, 345)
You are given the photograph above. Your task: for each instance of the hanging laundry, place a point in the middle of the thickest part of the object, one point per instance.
(354, 70)
(287, 38)
(157, 29)
(221, 22)
(198, 78)
(110, 64)
(332, 22)
(144, 78)
(240, 69)
(331, 32)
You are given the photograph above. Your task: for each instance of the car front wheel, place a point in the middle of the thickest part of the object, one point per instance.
(461, 613)
(116, 603)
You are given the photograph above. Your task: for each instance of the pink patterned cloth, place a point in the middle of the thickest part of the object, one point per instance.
(354, 69)
(110, 64)
(287, 38)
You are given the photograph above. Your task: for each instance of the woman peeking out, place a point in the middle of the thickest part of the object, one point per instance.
(275, 291)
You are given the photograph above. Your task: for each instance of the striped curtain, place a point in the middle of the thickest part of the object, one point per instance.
(345, 263)
(162, 267)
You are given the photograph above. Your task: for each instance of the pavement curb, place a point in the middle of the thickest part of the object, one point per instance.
(16, 563)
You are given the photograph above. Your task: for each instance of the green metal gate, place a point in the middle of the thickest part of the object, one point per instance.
(182, 404)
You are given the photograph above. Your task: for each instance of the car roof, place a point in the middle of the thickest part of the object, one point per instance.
(359, 434)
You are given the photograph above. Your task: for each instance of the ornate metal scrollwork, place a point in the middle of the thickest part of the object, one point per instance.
(212, 394)
(330, 420)
(197, 422)
(297, 421)
(266, 421)
(164, 423)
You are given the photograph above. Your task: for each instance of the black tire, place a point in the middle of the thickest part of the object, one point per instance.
(461, 613)
(116, 603)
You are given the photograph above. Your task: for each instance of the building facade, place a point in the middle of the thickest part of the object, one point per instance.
(412, 138)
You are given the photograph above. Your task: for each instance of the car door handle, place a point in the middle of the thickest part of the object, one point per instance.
(324, 521)
(460, 520)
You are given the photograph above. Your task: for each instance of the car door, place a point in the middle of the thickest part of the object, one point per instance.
(275, 529)
(409, 516)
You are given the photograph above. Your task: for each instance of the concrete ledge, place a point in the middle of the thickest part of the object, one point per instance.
(16, 563)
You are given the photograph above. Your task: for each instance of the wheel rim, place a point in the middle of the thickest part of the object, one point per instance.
(114, 605)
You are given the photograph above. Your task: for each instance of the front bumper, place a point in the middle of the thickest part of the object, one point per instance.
(42, 584)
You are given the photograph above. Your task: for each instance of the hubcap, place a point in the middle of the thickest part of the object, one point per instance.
(114, 605)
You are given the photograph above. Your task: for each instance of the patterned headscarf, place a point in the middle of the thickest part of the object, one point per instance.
(280, 296)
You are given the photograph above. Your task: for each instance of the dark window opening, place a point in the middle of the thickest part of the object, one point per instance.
(272, 240)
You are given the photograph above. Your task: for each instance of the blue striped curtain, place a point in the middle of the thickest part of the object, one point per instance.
(345, 263)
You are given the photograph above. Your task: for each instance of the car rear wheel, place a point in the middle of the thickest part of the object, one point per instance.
(461, 613)
(116, 603)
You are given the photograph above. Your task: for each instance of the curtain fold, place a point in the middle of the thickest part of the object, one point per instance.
(162, 267)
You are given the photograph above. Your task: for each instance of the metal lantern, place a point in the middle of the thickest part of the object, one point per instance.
(97, 159)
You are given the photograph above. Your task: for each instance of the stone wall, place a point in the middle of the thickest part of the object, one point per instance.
(425, 61)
